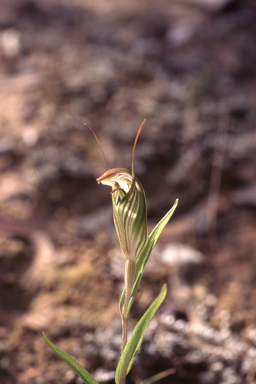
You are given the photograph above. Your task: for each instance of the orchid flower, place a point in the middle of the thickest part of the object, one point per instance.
(129, 208)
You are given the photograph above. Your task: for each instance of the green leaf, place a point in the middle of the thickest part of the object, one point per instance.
(144, 256)
(132, 347)
(79, 370)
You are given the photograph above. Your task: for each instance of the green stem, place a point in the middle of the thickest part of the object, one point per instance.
(128, 282)
(124, 330)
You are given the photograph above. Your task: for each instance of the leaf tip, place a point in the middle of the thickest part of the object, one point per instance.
(45, 338)
(164, 290)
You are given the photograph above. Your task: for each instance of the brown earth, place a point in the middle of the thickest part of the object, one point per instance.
(189, 68)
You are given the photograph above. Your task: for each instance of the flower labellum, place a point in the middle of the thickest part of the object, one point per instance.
(129, 208)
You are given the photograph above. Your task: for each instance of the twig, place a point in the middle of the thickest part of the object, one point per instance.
(216, 174)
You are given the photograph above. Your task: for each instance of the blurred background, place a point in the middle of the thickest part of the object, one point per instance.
(189, 68)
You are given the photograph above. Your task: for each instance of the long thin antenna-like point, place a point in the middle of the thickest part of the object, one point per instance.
(96, 138)
(134, 146)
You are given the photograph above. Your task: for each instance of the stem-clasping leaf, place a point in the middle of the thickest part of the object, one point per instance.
(77, 368)
(134, 342)
(144, 256)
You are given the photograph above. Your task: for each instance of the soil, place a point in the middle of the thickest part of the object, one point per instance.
(189, 68)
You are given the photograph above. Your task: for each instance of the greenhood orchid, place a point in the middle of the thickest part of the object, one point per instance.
(129, 208)
(130, 219)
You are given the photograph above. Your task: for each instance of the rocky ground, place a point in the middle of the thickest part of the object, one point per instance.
(189, 68)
